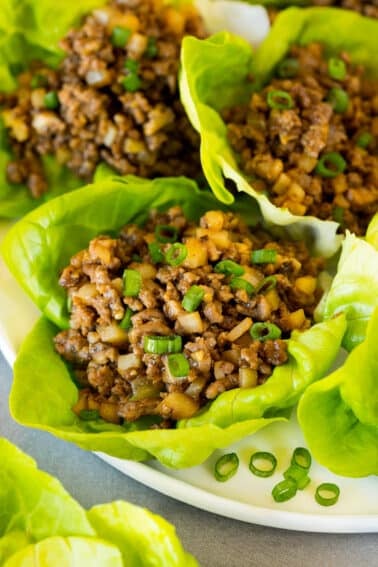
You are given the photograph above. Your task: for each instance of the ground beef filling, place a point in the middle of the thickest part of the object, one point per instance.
(310, 140)
(120, 377)
(114, 98)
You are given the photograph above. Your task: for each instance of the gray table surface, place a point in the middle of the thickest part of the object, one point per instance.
(214, 540)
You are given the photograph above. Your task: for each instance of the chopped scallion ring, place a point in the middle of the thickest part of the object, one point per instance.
(267, 284)
(364, 140)
(120, 36)
(132, 65)
(336, 68)
(239, 283)
(132, 282)
(155, 252)
(226, 467)
(338, 214)
(330, 165)
(265, 331)
(264, 256)
(166, 233)
(131, 83)
(327, 494)
(88, 415)
(229, 268)
(299, 475)
(262, 464)
(302, 458)
(193, 298)
(50, 100)
(162, 345)
(176, 254)
(280, 100)
(288, 68)
(152, 49)
(126, 322)
(284, 490)
(178, 365)
(338, 99)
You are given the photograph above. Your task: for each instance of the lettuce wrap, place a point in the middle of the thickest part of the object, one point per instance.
(41, 244)
(216, 75)
(43, 526)
(339, 414)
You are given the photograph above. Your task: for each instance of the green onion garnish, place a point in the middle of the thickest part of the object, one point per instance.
(267, 284)
(132, 282)
(301, 457)
(50, 100)
(88, 415)
(299, 475)
(155, 252)
(176, 254)
(162, 345)
(330, 165)
(69, 303)
(120, 36)
(178, 365)
(338, 215)
(192, 298)
(229, 268)
(166, 233)
(284, 490)
(38, 81)
(288, 68)
(265, 331)
(336, 68)
(126, 322)
(280, 100)
(262, 464)
(226, 467)
(264, 256)
(239, 283)
(152, 49)
(327, 494)
(364, 140)
(136, 258)
(132, 65)
(131, 83)
(338, 99)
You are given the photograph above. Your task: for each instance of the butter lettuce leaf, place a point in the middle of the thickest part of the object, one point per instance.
(216, 74)
(339, 414)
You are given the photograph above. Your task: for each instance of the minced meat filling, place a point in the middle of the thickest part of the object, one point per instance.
(309, 138)
(114, 98)
(160, 327)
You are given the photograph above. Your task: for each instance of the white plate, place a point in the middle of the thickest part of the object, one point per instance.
(244, 497)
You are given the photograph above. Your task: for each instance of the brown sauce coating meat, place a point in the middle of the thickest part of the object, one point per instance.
(280, 147)
(120, 378)
(114, 104)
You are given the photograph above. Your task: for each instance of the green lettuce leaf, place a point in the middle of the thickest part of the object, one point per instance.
(354, 289)
(339, 415)
(41, 525)
(215, 75)
(41, 244)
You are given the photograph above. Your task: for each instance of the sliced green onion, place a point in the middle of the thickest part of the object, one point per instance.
(327, 494)
(336, 68)
(267, 464)
(152, 49)
(50, 100)
(69, 303)
(264, 256)
(265, 331)
(338, 99)
(192, 298)
(330, 165)
(226, 467)
(299, 475)
(364, 140)
(178, 365)
(239, 283)
(288, 68)
(126, 322)
(155, 252)
(166, 233)
(88, 415)
(131, 83)
(302, 458)
(38, 81)
(176, 254)
(120, 36)
(132, 65)
(284, 490)
(136, 258)
(338, 215)
(267, 284)
(229, 267)
(132, 282)
(162, 345)
(280, 100)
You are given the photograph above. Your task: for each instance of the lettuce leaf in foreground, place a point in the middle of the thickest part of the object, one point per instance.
(354, 289)
(216, 74)
(41, 244)
(43, 526)
(339, 414)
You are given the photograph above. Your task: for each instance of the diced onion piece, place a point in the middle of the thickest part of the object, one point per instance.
(239, 330)
(178, 406)
(197, 253)
(195, 388)
(113, 334)
(222, 368)
(247, 378)
(147, 271)
(306, 284)
(232, 356)
(87, 291)
(110, 136)
(221, 239)
(94, 77)
(294, 320)
(191, 322)
(273, 299)
(214, 220)
(127, 361)
(252, 275)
